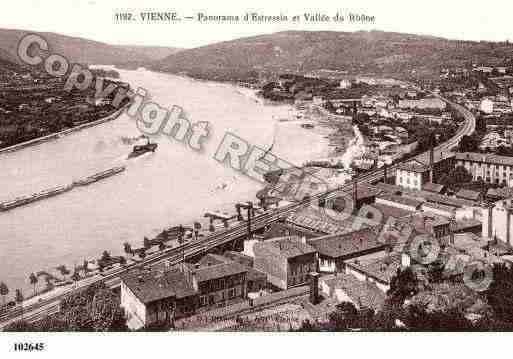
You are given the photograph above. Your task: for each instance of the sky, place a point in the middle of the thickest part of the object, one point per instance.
(95, 19)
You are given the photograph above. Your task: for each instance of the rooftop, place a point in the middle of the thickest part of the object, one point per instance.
(443, 207)
(347, 244)
(362, 293)
(220, 270)
(468, 194)
(288, 247)
(321, 220)
(413, 166)
(381, 269)
(433, 187)
(150, 286)
(390, 211)
(389, 188)
(500, 193)
(485, 158)
(401, 200)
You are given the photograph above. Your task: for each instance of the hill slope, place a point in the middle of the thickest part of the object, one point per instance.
(82, 50)
(291, 51)
(154, 53)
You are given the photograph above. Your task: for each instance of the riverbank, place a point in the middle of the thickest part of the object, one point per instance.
(54, 136)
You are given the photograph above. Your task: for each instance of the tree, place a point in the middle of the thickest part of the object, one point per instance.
(468, 144)
(33, 281)
(4, 290)
(75, 277)
(417, 318)
(85, 266)
(181, 241)
(63, 270)
(122, 261)
(105, 256)
(343, 317)
(146, 243)
(402, 286)
(197, 227)
(500, 293)
(128, 248)
(18, 296)
(456, 177)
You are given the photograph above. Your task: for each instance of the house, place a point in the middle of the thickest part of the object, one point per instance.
(408, 204)
(347, 288)
(497, 221)
(468, 194)
(378, 271)
(496, 194)
(433, 187)
(334, 250)
(313, 222)
(287, 261)
(365, 195)
(439, 209)
(490, 168)
(414, 174)
(158, 297)
(425, 103)
(256, 281)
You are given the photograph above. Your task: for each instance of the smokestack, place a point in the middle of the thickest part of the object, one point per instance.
(490, 220)
(355, 193)
(314, 287)
(451, 231)
(431, 163)
(508, 226)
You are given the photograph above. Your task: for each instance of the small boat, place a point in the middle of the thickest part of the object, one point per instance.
(139, 150)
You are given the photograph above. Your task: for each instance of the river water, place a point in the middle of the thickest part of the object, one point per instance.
(171, 186)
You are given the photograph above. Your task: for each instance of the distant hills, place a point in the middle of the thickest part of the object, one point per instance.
(371, 52)
(82, 50)
(376, 52)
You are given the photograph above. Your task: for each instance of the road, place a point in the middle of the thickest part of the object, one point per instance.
(175, 255)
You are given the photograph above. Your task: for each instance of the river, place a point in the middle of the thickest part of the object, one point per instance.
(171, 186)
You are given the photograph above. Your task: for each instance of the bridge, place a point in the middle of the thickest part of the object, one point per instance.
(228, 238)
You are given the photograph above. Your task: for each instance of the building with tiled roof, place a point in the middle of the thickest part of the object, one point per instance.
(406, 203)
(151, 297)
(320, 221)
(496, 194)
(347, 288)
(468, 194)
(387, 212)
(487, 167)
(287, 261)
(333, 250)
(158, 297)
(415, 173)
(433, 187)
(379, 271)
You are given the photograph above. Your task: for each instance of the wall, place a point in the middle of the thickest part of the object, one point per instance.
(135, 310)
(299, 268)
(273, 265)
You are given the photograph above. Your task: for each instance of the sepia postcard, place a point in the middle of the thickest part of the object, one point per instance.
(169, 169)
